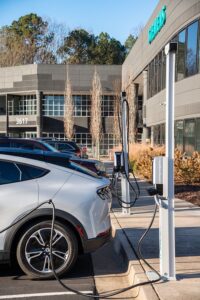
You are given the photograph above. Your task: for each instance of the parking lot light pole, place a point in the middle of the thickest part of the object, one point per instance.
(167, 229)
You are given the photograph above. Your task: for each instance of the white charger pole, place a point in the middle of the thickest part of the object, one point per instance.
(167, 229)
(124, 182)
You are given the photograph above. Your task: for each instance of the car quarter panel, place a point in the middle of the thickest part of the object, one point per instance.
(79, 197)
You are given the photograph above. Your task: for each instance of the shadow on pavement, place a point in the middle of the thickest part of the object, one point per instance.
(187, 241)
(82, 268)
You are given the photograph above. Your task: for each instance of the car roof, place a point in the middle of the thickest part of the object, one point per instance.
(35, 152)
(46, 165)
(24, 160)
(71, 143)
(39, 155)
(19, 139)
(31, 142)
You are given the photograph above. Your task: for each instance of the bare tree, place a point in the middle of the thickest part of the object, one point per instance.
(69, 109)
(15, 50)
(58, 31)
(137, 30)
(131, 97)
(96, 126)
(117, 115)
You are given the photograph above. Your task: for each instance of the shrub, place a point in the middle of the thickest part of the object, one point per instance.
(143, 156)
(186, 168)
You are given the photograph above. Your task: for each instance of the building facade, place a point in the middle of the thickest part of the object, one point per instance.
(32, 101)
(145, 67)
(32, 96)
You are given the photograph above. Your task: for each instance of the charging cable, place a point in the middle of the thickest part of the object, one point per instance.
(105, 295)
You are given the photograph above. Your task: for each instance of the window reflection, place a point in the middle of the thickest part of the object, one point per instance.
(191, 60)
(181, 56)
(179, 135)
(186, 60)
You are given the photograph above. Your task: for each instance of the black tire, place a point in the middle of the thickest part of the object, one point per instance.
(33, 253)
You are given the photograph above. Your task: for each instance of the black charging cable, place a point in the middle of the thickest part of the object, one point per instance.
(25, 215)
(105, 295)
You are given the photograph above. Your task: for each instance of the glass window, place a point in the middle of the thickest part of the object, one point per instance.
(156, 75)
(159, 62)
(107, 108)
(162, 134)
(53, 105)
(181, 55)
(62, 146)
(189, 136)
(32, 172)
(156, 135)
(82, 104)
(198, 135)
(22, 105)
(23, 146)
(2, 105)
(152, 77)
(179, 135)
(163, 69)
(191, 57)
(9, 173)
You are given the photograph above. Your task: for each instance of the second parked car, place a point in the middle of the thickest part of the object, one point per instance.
(38, 145)
(57, 158)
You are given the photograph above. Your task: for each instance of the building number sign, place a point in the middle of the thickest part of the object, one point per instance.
(21, 121)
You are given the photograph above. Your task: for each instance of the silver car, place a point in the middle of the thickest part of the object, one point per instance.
(82, 201)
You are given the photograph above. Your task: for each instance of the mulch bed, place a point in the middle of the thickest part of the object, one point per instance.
(190, 193)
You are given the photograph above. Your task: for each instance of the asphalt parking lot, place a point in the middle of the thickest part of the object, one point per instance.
(15, 285)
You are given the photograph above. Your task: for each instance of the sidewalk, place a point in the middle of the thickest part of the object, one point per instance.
(129, 228)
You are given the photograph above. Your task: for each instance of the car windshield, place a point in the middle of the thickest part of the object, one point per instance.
(65, 147)
(50, 148)
(78, 168)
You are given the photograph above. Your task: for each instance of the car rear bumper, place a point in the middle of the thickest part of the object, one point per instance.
(91, 245)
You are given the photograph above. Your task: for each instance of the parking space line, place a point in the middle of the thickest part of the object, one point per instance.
(21, 296)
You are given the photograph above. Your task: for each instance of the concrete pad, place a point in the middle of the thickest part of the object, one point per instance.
(187, 220)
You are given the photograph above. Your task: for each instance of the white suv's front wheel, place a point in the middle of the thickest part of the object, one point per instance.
(33, 250)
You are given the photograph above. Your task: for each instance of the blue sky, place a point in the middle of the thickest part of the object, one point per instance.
(117, 17)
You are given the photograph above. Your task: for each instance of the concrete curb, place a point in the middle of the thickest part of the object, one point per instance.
(135, 273)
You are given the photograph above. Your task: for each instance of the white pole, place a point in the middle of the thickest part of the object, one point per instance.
(167, 230)
(124, 182)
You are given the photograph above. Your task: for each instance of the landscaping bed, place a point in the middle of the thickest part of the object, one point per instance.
(190, 193)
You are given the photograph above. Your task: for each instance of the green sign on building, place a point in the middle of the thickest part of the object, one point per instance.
(157, 25)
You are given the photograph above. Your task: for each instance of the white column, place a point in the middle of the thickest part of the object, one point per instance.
(167, 230)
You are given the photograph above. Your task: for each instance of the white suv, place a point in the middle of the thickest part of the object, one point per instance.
(82, 201)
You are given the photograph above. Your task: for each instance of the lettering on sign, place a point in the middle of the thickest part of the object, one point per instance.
(21, 121)
(157, 25)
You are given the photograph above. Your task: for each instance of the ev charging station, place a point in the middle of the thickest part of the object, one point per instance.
(124, 182)
(121, 160)
(163, 172)
(163, 169)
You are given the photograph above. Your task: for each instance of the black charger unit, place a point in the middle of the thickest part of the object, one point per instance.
(118, 162)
